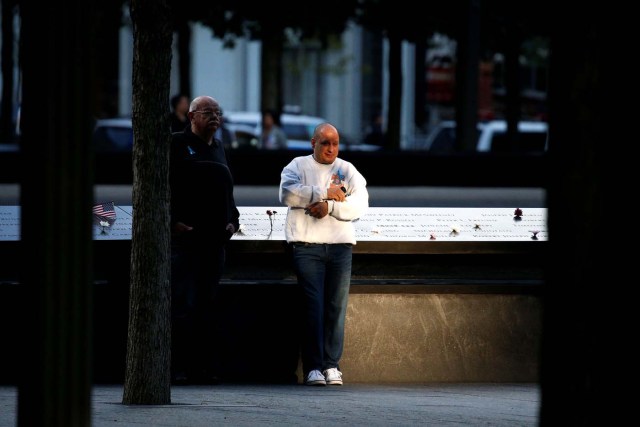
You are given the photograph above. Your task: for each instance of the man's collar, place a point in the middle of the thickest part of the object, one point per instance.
(211, 143)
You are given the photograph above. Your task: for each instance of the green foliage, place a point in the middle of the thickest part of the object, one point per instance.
(230, 19)
(409, 20)
(413, 21)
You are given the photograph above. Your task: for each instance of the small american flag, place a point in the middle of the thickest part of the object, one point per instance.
(105, 210)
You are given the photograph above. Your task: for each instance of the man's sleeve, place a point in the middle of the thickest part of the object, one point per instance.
(357, 201)
(294, 193)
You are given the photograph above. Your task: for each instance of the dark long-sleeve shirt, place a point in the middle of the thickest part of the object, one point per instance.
(201, 187)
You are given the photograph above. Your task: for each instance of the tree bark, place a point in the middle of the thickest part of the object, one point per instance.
(56, 193)
(107, 67)
(6, 105)
(395, 91)
(467, 73)
(184, 57)
(512, 104)
(147, 375)
(271, 70)
(420, 72)
(588, 313)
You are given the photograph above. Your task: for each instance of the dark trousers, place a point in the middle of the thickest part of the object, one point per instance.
(196, 270)
(324, 276)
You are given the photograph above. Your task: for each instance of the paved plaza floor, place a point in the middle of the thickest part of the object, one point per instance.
(449, 404)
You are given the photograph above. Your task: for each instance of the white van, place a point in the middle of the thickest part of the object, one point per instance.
(298, 128)
(532, 137)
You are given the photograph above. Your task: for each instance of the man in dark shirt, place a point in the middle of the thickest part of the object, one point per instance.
(204, 216)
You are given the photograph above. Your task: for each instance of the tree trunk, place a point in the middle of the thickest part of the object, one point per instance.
(512, 104)
(395, 92)
(588, 313)
(6, 105)
(147, 375)
(56, 194)
(184, 57)
(420, 72)
(467, 74)
(271, 71)
(107, 66)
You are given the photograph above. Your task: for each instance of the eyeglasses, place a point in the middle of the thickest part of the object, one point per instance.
(218, 113)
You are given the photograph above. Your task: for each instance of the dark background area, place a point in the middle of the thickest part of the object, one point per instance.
(381, 168)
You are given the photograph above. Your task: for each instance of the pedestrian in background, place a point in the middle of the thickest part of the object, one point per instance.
(272, 137)
(179, 112)
(375, 133)
(204, 217)
(324, 195)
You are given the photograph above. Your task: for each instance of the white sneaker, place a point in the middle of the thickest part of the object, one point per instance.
(333, 376)
(315, 377)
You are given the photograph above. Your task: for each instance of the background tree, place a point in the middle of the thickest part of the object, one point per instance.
(480, 29)
(107, 42)
(506, 27)
(55, 250)
(6, 57)
(181, 25)
(272, 24)
(410, 26)
(147, 375)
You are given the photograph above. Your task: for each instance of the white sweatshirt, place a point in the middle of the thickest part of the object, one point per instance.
(304, 181)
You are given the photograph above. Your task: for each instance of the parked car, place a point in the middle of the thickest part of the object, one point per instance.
(492, 137)
(113, 135)
(116, 135)
(298, 128)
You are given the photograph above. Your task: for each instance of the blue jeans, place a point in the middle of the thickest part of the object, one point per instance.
(324, 277)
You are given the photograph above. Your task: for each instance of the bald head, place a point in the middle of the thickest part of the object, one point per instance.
(322, 129)
(200, 102)
(325, 143)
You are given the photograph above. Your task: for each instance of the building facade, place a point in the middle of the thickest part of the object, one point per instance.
(345, 83)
